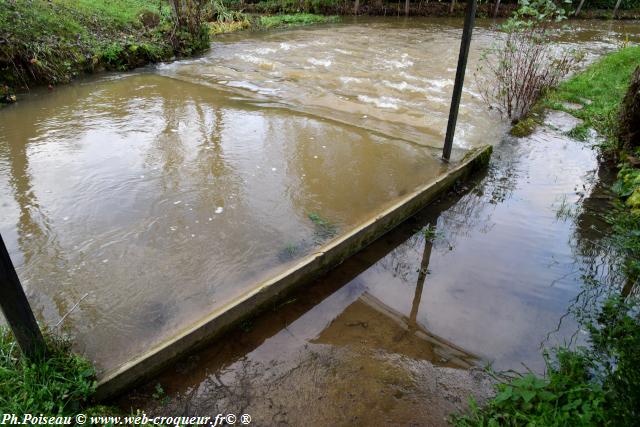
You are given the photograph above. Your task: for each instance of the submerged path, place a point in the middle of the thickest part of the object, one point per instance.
(399, 332)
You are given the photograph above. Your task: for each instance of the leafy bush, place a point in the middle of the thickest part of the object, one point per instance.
(525, 62)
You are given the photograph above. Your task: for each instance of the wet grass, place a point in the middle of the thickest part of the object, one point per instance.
(594, 386)
(51, 42)
(599, 89)
(60, 384)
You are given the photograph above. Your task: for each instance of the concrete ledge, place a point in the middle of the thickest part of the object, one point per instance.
(310, 267)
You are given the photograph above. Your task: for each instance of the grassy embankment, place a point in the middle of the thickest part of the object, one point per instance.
(51, 42)
(60, 385)
(598, 385)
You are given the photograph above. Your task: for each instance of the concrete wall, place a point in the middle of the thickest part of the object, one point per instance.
(310, 267)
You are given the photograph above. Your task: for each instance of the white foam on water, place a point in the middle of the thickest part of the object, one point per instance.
(347, 80)
(321, 62)
(381, 102)
(404, 86)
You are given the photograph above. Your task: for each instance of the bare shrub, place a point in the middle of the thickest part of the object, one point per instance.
(514, 71)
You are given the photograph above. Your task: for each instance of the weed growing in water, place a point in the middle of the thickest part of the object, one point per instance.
(324, 228)
(565, 211)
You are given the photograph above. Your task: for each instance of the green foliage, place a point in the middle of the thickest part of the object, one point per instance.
(524, 127)
(600, 89)
(515, 71)
(294, 6)
(616, 344)
(324, 228)
(610, 4)
(53, 41)
(293, 20)
(56, 385)
(584, 387)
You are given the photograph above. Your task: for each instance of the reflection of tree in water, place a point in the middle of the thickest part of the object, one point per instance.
(468, 207)
(36, 239)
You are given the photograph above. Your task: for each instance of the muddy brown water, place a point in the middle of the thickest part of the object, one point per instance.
(490, 274)
(153, 196)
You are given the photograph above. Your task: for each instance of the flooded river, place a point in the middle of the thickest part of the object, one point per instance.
(399, 333)
(153, 197)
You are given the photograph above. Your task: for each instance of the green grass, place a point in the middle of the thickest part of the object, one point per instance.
(51, 42)
(59, 385)
(294, 20)
(121, 13)
(595, 386)
(599, 89)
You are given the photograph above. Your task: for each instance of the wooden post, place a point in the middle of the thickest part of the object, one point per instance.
(453, 4)
(579, 7)
(465, 42)
(406, 7)
(356, 7)
(16, 309)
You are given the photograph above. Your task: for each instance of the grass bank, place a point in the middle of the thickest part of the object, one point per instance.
(60, 385)
(597, 385)
(57, 387)
(51, 42)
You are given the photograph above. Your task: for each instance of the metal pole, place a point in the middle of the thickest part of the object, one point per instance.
(16, 309)
(457, 88)
(615, 9)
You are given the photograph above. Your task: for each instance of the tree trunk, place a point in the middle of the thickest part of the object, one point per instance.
(629, 120)
(497, 7)
(579, 7)
(615, 9)
(453, 4)
(406, 7)
(356, 7)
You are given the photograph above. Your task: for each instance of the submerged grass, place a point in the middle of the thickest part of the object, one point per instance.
(600, 90)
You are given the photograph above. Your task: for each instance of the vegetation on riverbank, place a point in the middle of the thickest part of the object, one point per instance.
(243, 21)
(51, 42)
(600, 9)
(599, 384)
(58, 385)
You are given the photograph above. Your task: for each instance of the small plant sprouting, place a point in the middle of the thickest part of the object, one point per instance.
(160, 395)
(324, 228)
(564, 211)
(429, 232)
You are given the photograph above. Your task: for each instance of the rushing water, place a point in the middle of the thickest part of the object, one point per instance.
(154, 196)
